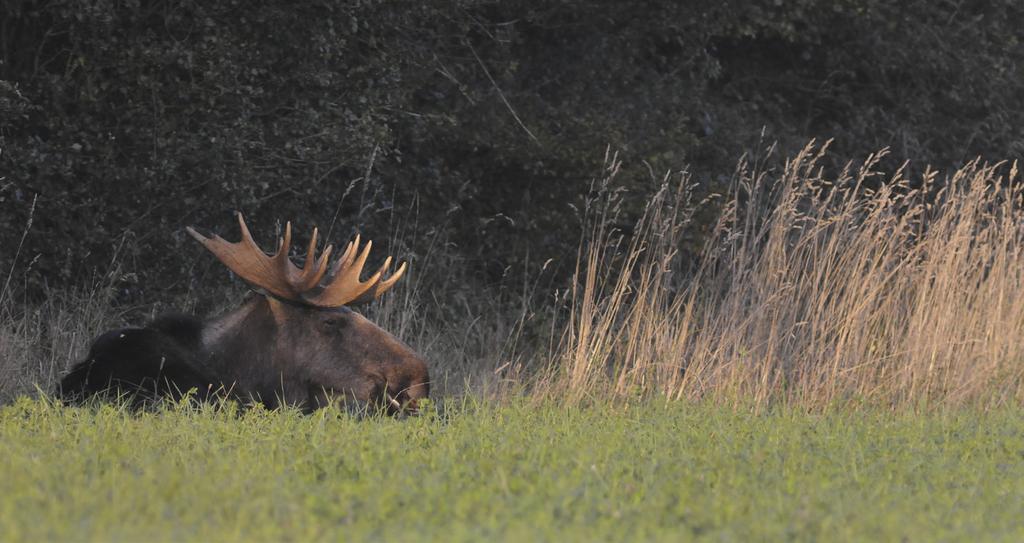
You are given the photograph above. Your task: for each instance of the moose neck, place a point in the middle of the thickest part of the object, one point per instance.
(239, 347)
(228, 325)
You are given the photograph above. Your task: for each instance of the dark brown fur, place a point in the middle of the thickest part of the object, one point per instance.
(266, 351)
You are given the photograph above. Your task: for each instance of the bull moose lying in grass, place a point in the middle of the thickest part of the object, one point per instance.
(296, 342)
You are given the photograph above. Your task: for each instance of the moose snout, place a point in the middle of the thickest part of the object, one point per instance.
(403, 382)
(404, 401)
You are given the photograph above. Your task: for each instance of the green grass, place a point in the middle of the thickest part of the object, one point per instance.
(654, 471)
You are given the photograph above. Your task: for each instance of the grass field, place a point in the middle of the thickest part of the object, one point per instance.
(651, 471)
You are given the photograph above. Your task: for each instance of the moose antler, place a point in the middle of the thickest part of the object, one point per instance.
(311, 285)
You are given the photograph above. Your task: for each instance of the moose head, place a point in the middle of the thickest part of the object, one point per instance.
(296, 342)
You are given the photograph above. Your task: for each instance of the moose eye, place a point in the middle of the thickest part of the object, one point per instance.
(333, 323)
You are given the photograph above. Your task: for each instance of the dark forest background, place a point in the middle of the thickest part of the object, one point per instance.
(477, 125)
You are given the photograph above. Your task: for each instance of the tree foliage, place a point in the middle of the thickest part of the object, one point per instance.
(128, 119)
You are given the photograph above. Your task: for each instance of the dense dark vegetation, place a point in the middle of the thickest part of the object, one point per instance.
(476, 123)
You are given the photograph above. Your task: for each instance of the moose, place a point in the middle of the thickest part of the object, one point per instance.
(295, 341)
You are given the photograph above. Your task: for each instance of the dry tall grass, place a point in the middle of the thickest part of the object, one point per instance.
(810, 291)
